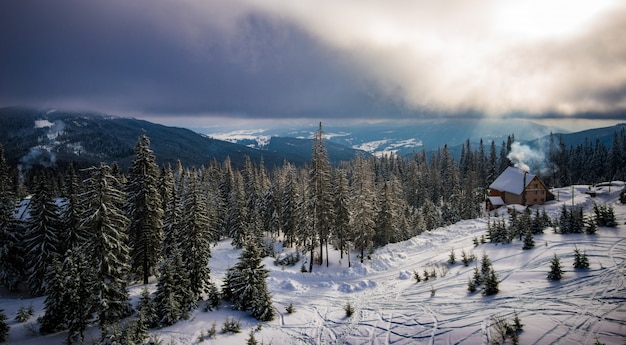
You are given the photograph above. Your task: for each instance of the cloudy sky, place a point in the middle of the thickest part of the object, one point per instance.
(176, 61)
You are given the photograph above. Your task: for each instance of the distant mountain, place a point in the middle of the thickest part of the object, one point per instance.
(604, 135)
(50, 138)
(402, 136)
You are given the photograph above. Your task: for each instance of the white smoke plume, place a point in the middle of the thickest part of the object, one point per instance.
(524, 157)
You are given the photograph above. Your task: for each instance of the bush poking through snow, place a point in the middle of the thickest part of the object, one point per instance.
(503, 329)
(211, 333)
(349, 309)
(231, 325)
(290, 309)
(491, 283)
(416, 276)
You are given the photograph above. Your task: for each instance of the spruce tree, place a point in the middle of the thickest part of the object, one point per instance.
(41, 238)
(106, 247)
(320, 192)
(169, 304)
(4, 327)
(491, 282)
(580, 260)
(196, 232)
(147, 309)
(145, 211)
(363, 206)
(555, 269)
(71, 236)
(11, 250)
(245, 284)
(342, 212)
(529, 241)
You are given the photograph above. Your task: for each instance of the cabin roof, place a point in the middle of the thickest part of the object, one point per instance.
(512, 181)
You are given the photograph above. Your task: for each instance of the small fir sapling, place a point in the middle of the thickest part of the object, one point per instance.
(426, 275)
(349, 309)
(471, 285)
(290, 309)
(465, 258)
(416, 276)
(477, 278)
(580, 260)
(555, 269)
(485, 265)
(452, 257)
(251, 339)
(211, 333)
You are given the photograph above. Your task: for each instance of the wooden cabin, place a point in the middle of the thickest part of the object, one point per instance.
(517, 186)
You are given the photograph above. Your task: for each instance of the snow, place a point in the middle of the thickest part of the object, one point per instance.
(512, 180)
(43, 124)
(245, 134)
(391, 308)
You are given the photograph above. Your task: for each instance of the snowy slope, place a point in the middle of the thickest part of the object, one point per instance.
(391, 308)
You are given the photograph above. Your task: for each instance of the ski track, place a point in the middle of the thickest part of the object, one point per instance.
(404, 312)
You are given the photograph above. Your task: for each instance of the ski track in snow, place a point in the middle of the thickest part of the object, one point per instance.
(400, 311)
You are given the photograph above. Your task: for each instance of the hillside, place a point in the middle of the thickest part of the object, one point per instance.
(50, 138)
(390, 307)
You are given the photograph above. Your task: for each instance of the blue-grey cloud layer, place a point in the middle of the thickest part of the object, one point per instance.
(307, 59)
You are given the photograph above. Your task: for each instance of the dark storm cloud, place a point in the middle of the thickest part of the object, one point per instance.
(323, 58)
(167, 59)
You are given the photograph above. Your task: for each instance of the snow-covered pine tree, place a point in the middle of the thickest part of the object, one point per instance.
(196, 232)
(289, 204)
(485, 265)
(245, 284)
(71, 235)
(237, 212)
(529, 240)
(4, 327)
(11, 251)
(168, 303)
(342, 212)
(320, 192)
(41, 240)
(363, 206)
(386, 218)
(144, 210)
(555, 269)
(68, 303)
(491, 282)
(105, 247)
(147, 309)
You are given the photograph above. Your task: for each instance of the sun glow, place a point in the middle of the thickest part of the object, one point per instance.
(536, 19)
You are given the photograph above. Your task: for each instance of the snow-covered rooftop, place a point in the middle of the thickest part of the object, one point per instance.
(512, 180)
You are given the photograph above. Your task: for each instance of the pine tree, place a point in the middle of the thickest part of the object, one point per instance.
(320, 192)
(4, 327)
(105, 247)
(71, 236)
(580, 260)
(41, 238)
(169, 304)
(11, 250)
(68, 303)
(364, 206)
(145, 211)
(245, 284)
(555, 269)
(342, 212)
(491, 282)
(196, 233)
(147, 309)
(529, 241)
(237, 212)
(485, 265)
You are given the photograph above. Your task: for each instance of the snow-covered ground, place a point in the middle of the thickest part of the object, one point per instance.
(391, 308)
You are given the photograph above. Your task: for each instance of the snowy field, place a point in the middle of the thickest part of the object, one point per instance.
(391, 308)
